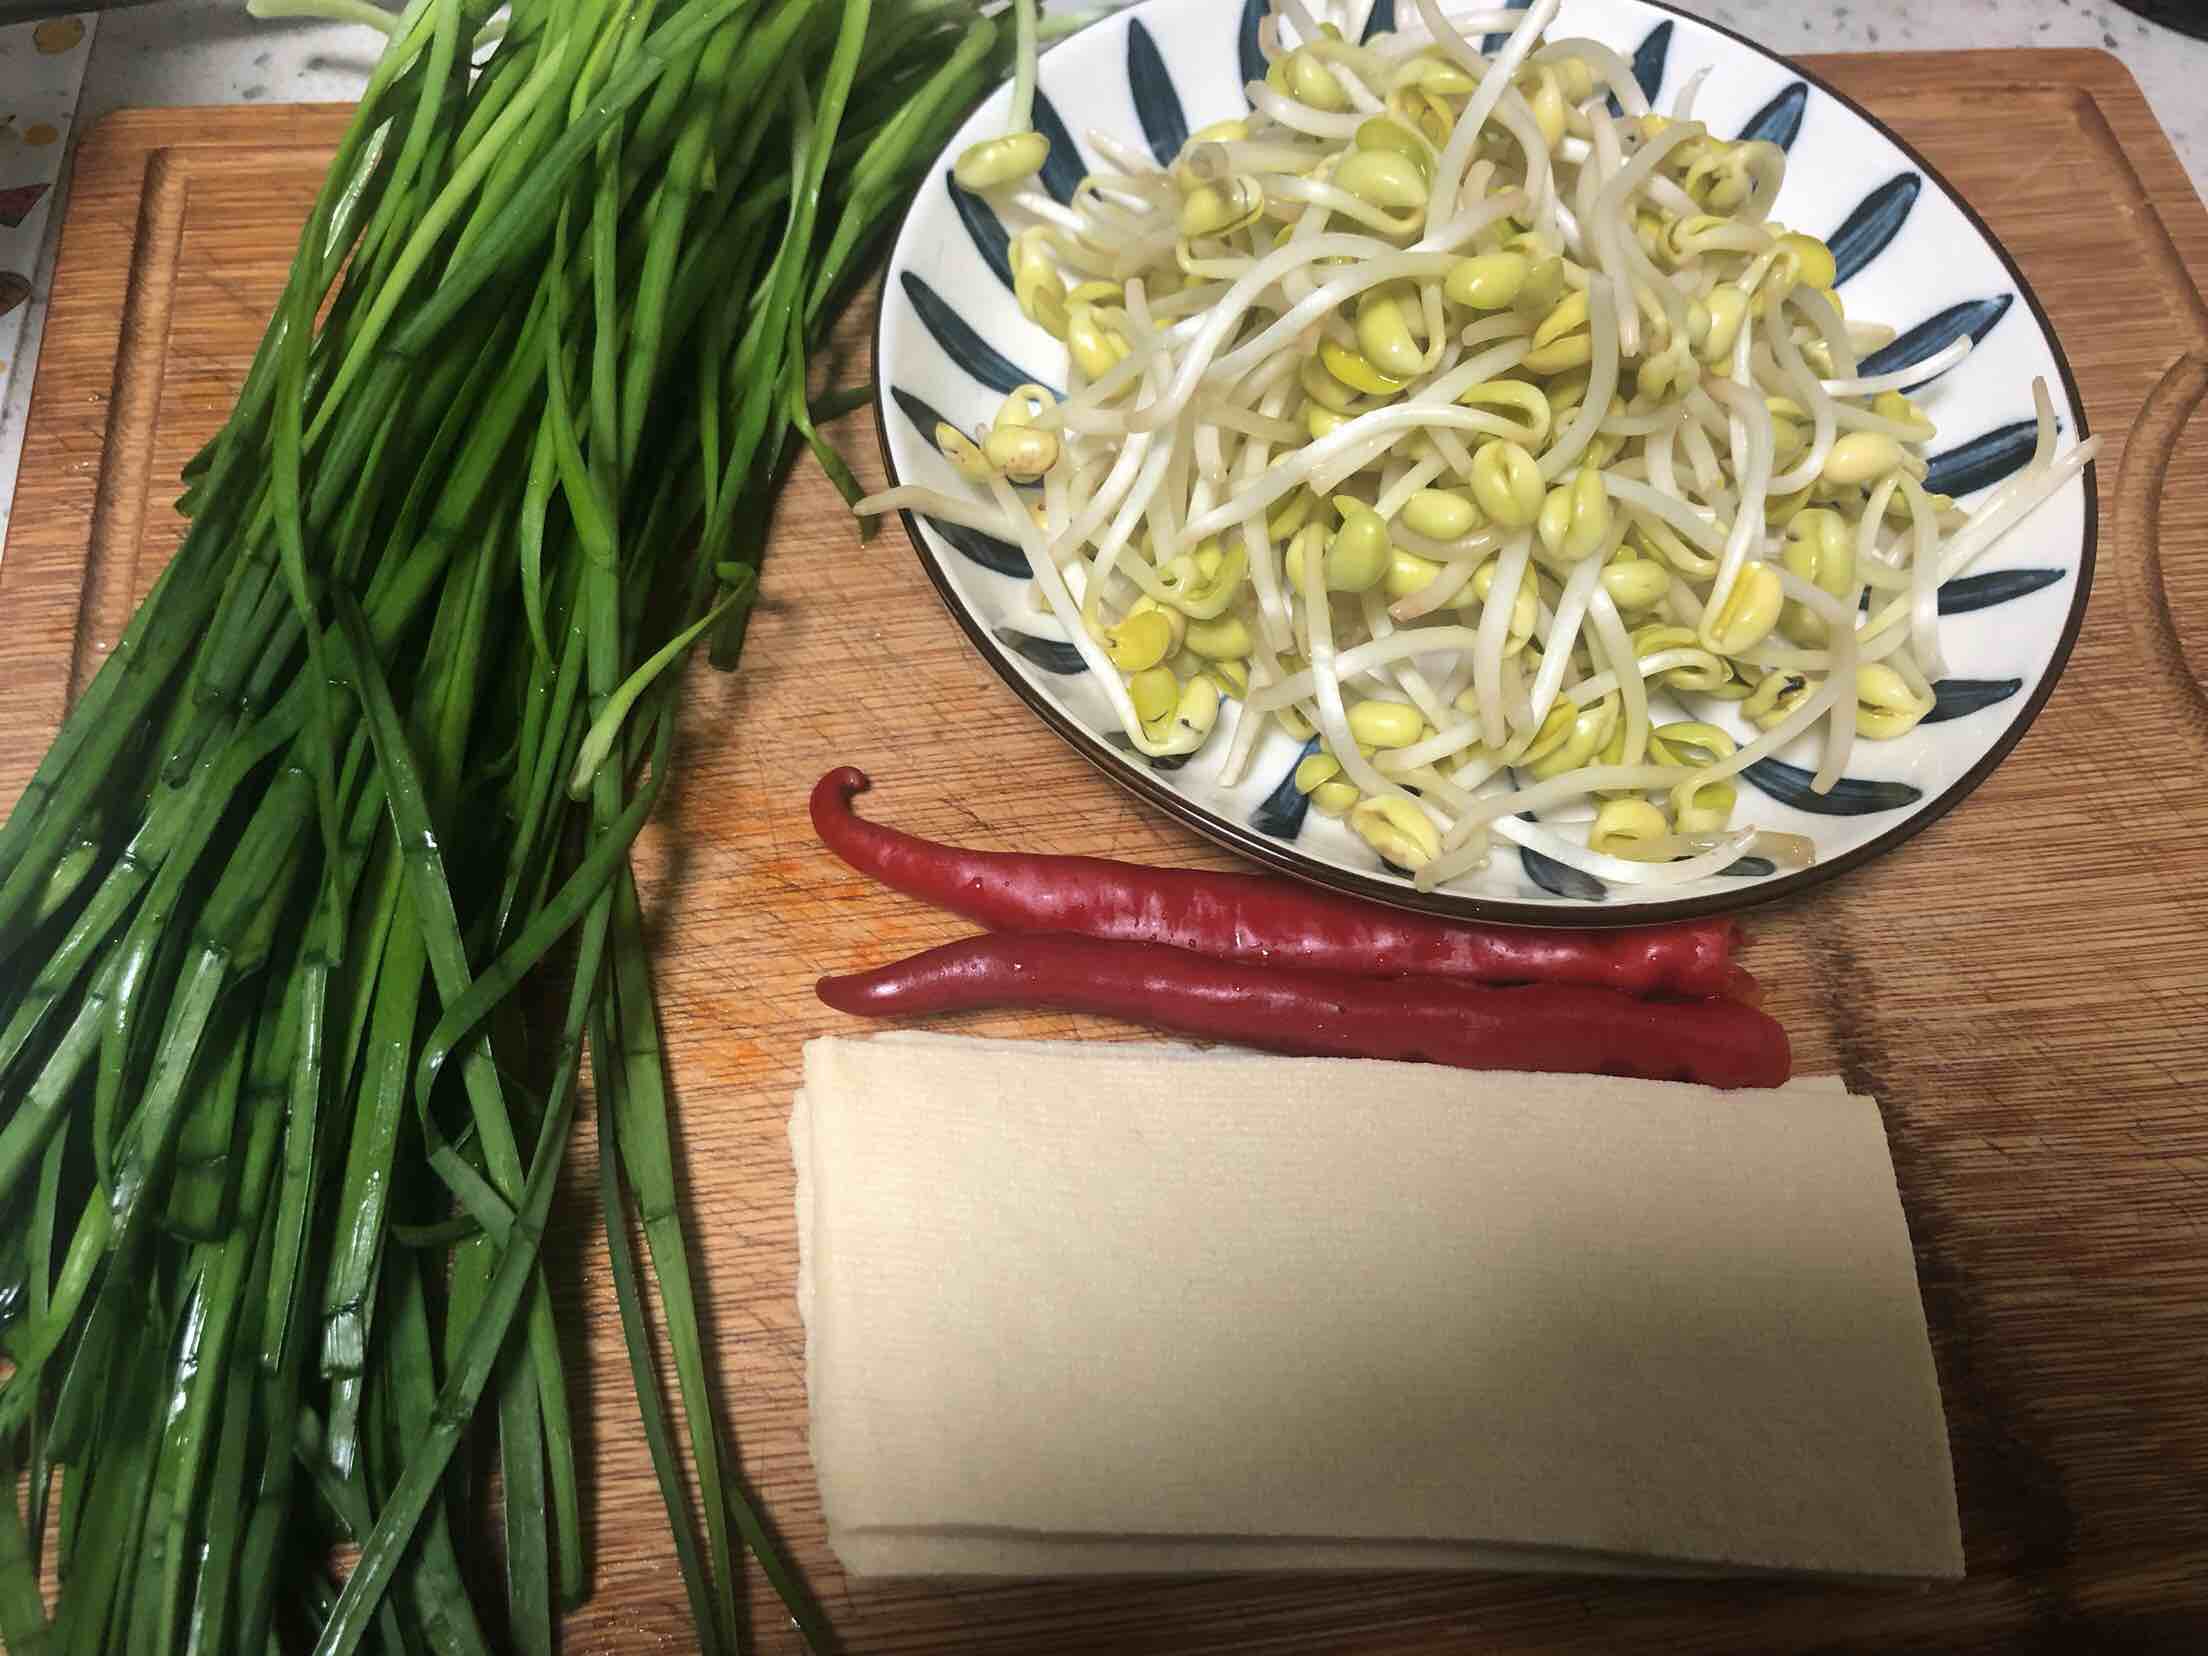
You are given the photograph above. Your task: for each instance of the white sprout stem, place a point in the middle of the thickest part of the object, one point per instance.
(1301, 117)
(1556, 790)
(958, 509)
(1438, 592)
(1841, 338)
(1839, 618)
(1932, 367)
(1502, 599)
(1288, 473)
(1021, 116)
(1624, 870)
(1052, 580)
(1814, 707)
(1598, 685)
(1602, 383)
(1747, 528)
(1408, 679)
(1556, 655)
(1682, 106)
(1604, 61)
(1676, 513)
(1214, 332)
(1363, 658)
(1282, 332)
(1610, 634)
(1924, 579)
(1398, 494)
(1318, 649)
(1494, 77)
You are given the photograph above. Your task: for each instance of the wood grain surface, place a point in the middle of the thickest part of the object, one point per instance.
(2022, 986)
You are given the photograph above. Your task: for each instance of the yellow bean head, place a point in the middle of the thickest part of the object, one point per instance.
(1486, 281)
(1820, 549)
(1357, 554)
(1384, 336)
(1507, 483)
(964, 455)
(1807, 260)
(1728, 308)
(1317, 769)
(1703, 807)
(1021, 453)
(1311, 82)
(1885, 706)
(1439, 515)
(1636, 584)
(1408, 573)
(1748, 614)
(1775, 698)
(1226, 639)
(1386, 724)
(1621, 825)
(1575, 518)
(998, 161)
(1223, 208)
(1862, 457)
(1350, 369)
(1140, 640)
(1155, 693)
(1398, 830)
(1384, 132)
(1384, 179)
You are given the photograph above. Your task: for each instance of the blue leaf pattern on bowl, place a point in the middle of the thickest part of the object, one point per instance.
(964, 346)
(1958, 698)
(1052, 655)
(1245, 41)
(1779, 121)
(1281, 812)
(1877, 219)
(991, 240)
(999, 556)
(1983, 461)
(1974, 317)
(924, 415)
(1997, 586)
(1380, 20)
(1157, 105)
(1559, 879)
(1750, 868)
(1648, 65)
(1850, 796)
(1062, 172)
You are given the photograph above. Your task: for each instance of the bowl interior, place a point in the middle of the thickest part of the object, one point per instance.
(952, 341)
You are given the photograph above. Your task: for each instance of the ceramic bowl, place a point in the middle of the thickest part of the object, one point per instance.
(1910, 252)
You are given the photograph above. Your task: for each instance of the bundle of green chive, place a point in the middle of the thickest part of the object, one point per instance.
(284, 1093)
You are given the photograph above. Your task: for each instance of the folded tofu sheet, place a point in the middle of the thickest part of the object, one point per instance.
(1090, 1307)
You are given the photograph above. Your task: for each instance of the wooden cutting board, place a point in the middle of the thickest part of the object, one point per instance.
(2024, 987)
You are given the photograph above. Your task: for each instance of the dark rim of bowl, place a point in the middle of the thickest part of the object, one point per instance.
(1562, 911)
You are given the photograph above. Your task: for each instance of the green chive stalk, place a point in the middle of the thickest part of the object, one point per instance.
(283, 1096)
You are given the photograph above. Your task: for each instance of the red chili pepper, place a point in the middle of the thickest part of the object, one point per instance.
(1561, 1028)
(1260, 917)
